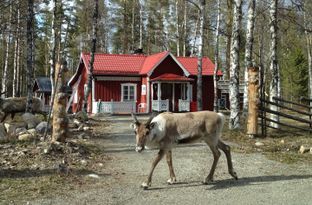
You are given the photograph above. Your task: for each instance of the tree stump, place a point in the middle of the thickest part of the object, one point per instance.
(253, 101)
(60, 120)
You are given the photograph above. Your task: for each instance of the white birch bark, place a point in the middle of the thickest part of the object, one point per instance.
(195, 34)
(234, 122)
(215, 82)
(200, 56)
(308, 35)
(16, 54)
(185, 29)
(141, 24)
(52, 52)
(249, 49)
(274, 69)
(177, 27)
(6, 60)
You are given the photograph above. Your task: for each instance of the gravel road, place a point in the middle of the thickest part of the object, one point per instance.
(261, 181)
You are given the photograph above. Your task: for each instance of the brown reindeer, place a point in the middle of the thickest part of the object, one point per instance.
(166, 129)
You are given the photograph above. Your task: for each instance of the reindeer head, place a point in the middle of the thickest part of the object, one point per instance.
(141, 131)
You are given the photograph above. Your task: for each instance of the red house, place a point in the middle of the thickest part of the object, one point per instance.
(140, 83)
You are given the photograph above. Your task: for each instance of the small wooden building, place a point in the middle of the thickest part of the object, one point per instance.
(141, 83)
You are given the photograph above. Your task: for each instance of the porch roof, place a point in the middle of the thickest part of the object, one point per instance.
(172, 77)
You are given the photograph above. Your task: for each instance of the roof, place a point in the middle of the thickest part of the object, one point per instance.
(43, 84)
(171, 77)
(126, 64)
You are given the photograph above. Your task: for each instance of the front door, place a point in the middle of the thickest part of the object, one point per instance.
(167, 93)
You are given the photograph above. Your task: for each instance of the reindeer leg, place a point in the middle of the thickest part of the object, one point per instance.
(12, 115)
(227, 151)
(159, 156)
(172, 179)
(5, 115)
(216, 155)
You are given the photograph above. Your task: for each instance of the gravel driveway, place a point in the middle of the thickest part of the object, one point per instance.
(261, 181)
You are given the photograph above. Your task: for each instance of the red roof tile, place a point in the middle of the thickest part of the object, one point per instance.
(118, 64)
(115, 63)
(152, 60)
(190, 63)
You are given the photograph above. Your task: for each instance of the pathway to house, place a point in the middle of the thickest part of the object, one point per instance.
(261, 181)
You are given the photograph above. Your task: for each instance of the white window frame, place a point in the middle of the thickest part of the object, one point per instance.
(122, 91)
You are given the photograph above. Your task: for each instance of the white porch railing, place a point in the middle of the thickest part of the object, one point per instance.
(113, 107)
(160, 105)
(184, 105)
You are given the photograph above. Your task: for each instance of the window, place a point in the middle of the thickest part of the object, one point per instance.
(128, 92)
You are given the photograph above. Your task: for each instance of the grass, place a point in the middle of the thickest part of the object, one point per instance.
(279, 146)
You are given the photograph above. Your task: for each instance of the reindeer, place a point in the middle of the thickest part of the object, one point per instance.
(15, 105)
(167, 129)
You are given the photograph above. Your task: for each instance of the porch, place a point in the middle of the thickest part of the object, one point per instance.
(173, 96)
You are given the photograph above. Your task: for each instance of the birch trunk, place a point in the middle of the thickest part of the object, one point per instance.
(30, 46)
(141, 24)
(52, 53)
(177, 27)
(234, 122)
(249, 49)
(132, 26)
(307, 28)
(90, 72)
(5, 69)
(184, 28)
(16, 54)
(274, 69)
(215, 80)
(200, 56)
(6, 60)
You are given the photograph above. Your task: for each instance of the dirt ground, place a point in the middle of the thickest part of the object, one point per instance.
(120, 173)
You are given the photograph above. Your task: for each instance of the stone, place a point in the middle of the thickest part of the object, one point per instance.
(42, 126)
(3, 134)
(32, 132)
(11, 127)
(86, 128)
(20, 130)
(258, 144)
(77, 122)
(31, 120)
(84, 162)
(94, 176)
(303, 149)
(81, 116)
(80, 128)
(26, 137)
(311, 150)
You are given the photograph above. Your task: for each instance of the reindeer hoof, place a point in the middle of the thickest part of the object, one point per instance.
(234, 175)
(208, 181)
(145, 185)
(171, 181)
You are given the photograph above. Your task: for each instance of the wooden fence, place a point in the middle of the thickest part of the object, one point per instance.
(298, 116)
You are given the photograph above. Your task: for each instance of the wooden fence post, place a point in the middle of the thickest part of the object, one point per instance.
(60, 121)
(253, 101)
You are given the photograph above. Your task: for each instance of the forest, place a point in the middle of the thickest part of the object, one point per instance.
(236, 34)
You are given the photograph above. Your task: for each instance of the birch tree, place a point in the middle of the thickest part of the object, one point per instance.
(141, 24)
(274, 69)
(308, 33)
(53, 51)
(215, 82)
(30, 46)
(90, 72)
(234, 122)
(200, 56)
(6, 61)
(16, 54)
(249, 49)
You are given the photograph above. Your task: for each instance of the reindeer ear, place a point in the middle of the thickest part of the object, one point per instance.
(151, 125)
